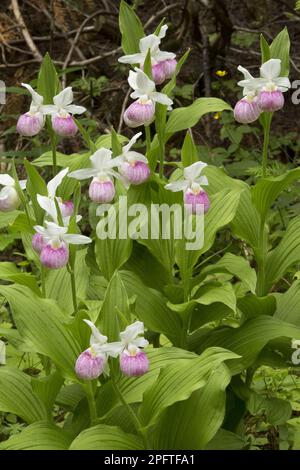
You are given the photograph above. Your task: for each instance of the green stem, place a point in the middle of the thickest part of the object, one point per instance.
(148, 138)
(91, 401)
(133, 416)
(161, 158)
(43, 283)
(262, 259)
(73, 285)
(267, 127)
(53, 149)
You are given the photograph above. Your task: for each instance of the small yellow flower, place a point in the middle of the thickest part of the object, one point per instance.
(217, 116)
(221, 73)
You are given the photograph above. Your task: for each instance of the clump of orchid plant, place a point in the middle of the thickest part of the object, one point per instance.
(193, 194)
(163, 63)
(133, 361)
(264, 94)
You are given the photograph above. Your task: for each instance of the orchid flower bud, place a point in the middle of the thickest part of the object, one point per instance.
(270, 101)
(193, 198)
(90, 366)
(247, 110)
(54, 257)
(139, 113)
(38, 242)
(134, 362)
(101, 191)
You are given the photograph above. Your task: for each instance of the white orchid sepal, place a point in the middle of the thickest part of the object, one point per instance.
(47, 203)
(144, 89)
(102, 167)
(63, 104)
(269, 80)
(192, 179)
(36, 106)
(131, 341)
(152, 42)
(56, 234)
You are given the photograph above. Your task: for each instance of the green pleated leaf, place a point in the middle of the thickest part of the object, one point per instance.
(104, 437)
(58, 283)
(288, 305)
(184, 118)
(40, 323)
(115, 312)
(10, 272)
(189, 152)
(249, 339)
(47, 388)
(131, 29)
(226, 440)
(178, 381)
(266, 191)
(285, 255)
(18, 397)
(280, 49)
(48, 83)
(192, 423)
(38, 436)
(222, 211)
(133, 388)
(151, 308)
(111, 252)
(235, 265)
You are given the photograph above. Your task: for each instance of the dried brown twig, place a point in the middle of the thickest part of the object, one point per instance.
(26, 34)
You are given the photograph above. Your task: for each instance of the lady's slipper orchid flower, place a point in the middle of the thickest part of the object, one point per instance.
(30, 123)
(269, 87)
(191, 186)
(62, 109)
(141, 112)
(163, 63)
(102, 187)
(48, 202)
(54, 252)
(133, 361)
(133, 166)
(9, 198)
(91, 362)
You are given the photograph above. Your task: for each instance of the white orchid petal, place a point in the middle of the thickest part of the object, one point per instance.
(131, 59)
(136, 157)
(48, 205)
(74, 109)
(83, 174)
(132, 79)
(282, 83)
(49, 109)
(193, 171)
(55, 182)
(161, 98)
(75, 239)
(143, 82)
(271, 69)
(101, 158)
(54, 230)
(64, 98)
(37, 99)
(132, 141)
(149, 42)
(113, 349)
(140, 342)
(96, 337)
(160, 56)
(177, 186)
(202, 181)
(132, 331)
(6, 180)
